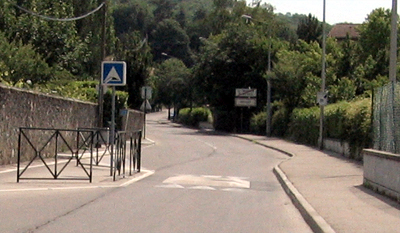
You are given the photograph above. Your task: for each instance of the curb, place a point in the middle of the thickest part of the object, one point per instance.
(310, 215)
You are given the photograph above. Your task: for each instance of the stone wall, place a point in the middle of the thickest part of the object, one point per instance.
(381, 172)
(22, 108)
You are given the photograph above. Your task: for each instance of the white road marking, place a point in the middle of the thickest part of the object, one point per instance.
(202, 187)
(170, 186)
(217, 181)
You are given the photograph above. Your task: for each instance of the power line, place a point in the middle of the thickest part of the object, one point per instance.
(59, 19)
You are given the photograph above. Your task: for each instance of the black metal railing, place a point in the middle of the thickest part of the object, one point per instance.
(42, 144)
(126, 142)
(101, 136)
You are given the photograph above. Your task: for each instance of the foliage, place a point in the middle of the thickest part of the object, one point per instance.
(21, 62)
(121, 99)
(347, 121)
(172, 83)
(193, 117)
(309, 29)
(258, 123)
(169, 38)
(137, 56)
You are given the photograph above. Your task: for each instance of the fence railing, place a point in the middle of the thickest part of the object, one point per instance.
(101, 136)
(43, 144)
(127, 150)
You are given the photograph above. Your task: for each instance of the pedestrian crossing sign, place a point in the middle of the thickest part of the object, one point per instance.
(113, 73)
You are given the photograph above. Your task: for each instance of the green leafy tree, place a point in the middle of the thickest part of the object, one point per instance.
(20, 63)
(309, 29)
(137, 55)
(374, 42)
(225, 65)
(169, 38)
(173, 84)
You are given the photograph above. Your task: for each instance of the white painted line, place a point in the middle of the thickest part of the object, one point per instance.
(202, 188)
(147, 173)
(177, 186)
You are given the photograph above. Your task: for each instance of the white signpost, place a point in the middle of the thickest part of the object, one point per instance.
(245, 97)
(113, 73)
(322, 98)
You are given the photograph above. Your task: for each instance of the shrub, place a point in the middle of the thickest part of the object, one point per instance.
(193, 116)
(258, 123)
(303, 125)
(280, 121)
(347, 121)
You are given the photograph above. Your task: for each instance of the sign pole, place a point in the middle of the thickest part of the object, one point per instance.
(112, 126)
(144, 115)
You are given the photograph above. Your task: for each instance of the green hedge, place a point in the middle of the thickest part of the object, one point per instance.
(193, 116)
(345, 121)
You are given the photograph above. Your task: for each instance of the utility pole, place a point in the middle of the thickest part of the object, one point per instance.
(269, 117)
(323, 77)
(392, 71)
(393, 44)
(103, 56)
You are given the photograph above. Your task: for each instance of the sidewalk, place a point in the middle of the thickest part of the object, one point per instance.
(328, 191)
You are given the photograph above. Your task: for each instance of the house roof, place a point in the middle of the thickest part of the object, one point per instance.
(340, 31)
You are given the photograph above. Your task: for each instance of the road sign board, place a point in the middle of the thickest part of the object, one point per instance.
(147, 92)
(246, 92)
(245, 102)
(322, 98)
(113, 73)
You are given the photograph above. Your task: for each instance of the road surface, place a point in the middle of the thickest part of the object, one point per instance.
(202, 182)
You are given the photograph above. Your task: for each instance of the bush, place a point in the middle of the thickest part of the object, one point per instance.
(258, 123)
(193, 116)
(347, 121)
(303, 125)
(280, 121)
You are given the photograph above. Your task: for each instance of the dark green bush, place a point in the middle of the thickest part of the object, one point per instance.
(258, 123)
(347, 121)
(303, 125)
(193, 116)
(280, 121)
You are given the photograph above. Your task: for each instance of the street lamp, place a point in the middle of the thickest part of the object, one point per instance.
(268, 121)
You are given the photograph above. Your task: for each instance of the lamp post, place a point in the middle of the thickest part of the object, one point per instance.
(268, 120)
(323, 77)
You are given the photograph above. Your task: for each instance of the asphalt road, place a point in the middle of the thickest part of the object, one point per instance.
(202, 182)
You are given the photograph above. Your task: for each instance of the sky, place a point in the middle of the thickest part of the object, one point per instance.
(337, 11)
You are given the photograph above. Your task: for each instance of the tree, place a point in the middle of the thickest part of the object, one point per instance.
(173, 84)
(164, 9)
(137, 54)
(309, 29)
(374, 41)
(224, 65)
(169, 37)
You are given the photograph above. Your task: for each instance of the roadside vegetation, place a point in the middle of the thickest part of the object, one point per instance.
(196, 54)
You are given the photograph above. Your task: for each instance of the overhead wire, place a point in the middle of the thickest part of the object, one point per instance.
(59, 19)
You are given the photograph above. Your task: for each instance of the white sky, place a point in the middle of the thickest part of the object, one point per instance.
(337, 11)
